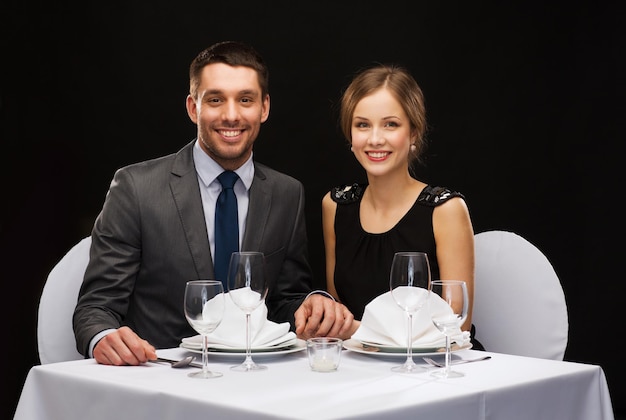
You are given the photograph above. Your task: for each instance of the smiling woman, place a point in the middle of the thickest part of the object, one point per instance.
(383, 118)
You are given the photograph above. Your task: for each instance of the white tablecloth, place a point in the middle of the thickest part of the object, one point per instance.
(505, 387)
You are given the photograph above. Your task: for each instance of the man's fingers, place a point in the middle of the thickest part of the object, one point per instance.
(319, 316)
(123, 347)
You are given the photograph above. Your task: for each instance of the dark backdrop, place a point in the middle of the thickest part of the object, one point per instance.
(525, 105)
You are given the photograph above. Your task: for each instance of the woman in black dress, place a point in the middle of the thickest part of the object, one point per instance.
(384, 120)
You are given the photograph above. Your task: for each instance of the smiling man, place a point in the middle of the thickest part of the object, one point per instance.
(157, 228)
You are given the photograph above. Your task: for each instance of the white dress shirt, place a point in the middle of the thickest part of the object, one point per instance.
(208, 170)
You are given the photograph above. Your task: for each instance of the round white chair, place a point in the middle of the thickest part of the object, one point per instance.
(55, 334)
(519, 304)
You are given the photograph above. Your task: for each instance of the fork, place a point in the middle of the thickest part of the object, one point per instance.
(455, 362)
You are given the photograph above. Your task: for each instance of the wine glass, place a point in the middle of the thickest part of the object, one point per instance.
(454, 293)
(409, 281)
(247, 286)
(204, 310)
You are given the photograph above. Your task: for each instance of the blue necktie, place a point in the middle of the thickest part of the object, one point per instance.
(226, 226)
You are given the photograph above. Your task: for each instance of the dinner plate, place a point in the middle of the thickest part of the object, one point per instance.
(298, 345)
(397, 349)
(197, 345)
(390, 351)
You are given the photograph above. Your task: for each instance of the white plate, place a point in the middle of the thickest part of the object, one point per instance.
(397, 349)
(230, 352)
(213, 347)
(359, 347)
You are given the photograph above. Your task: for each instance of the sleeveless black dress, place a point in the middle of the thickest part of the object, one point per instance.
(363, 260)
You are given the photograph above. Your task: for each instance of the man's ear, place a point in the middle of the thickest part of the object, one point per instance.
(265, 109)
(192, 109)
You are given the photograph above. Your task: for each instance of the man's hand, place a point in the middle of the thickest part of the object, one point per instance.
(320, 316)
(123, 347)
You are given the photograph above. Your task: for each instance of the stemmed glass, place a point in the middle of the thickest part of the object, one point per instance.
(247, 286)
(204, 310)
(409, 281)
(454, 293)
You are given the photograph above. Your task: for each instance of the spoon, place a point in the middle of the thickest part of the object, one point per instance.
(455, 362)
(187, 361)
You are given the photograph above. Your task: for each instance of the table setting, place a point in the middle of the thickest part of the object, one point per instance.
(229, 339)
(323, 377)
(413, 318)
(382, 334)
(397, 323)
(361, 387)
(383, 331)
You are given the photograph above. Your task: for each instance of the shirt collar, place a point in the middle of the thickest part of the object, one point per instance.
(208, 170)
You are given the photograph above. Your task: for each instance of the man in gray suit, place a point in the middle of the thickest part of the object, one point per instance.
(156, 229)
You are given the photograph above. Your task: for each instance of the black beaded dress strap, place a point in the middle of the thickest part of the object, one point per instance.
(431, 196)
(434, 196)
(347, 193)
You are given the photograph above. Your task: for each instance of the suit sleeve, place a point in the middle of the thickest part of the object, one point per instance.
(114, 261)
(294, 280)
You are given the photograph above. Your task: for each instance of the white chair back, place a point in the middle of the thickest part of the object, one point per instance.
(55, 335)
(519, 304)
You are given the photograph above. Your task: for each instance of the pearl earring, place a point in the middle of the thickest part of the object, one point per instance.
(352, 149)
(413, 148)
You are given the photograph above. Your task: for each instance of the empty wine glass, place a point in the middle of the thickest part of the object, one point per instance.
(454, 293)
(247, 286)
(204, 310)
(409, 281)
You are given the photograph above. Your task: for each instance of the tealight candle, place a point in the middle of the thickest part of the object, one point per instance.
(324, 353)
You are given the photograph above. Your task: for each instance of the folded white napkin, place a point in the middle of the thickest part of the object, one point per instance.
(385, 323)
(232, 330)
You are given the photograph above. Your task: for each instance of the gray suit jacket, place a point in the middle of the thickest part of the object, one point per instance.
(151, 238)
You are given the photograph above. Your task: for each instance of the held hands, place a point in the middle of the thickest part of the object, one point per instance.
(319, 316)
(123, 347)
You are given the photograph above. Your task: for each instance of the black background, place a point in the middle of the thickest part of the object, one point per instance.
(525, 105)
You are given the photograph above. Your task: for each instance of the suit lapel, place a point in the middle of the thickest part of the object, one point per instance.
(258, 211)
(186, 194)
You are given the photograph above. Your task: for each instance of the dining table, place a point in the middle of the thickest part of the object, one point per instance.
(363, 387)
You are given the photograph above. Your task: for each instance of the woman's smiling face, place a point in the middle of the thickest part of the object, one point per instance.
(381, 133)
